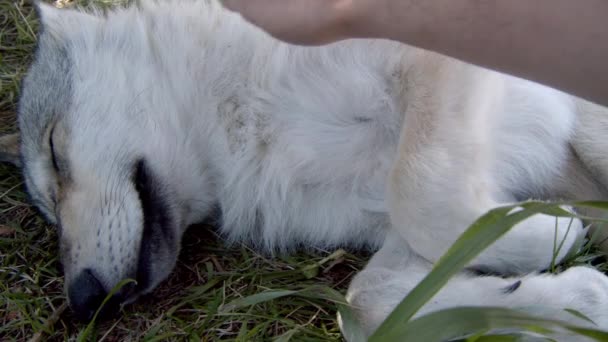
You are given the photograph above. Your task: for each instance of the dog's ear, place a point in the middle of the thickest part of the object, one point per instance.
(50, 16)
(9, 149)
(60, 22)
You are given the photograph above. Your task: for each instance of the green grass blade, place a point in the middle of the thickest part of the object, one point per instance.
(255, 299)
(580, 315)
(286, 337)
(84, 335)
(459, 322)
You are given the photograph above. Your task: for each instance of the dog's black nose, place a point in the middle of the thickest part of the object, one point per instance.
(86, 296)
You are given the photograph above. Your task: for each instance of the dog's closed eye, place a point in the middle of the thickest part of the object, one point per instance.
(56, 146)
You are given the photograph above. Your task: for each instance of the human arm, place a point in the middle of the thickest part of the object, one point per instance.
(561, 43)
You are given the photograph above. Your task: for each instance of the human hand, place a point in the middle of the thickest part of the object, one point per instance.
(303, 22)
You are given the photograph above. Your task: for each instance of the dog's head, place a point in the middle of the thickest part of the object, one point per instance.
(99, 162)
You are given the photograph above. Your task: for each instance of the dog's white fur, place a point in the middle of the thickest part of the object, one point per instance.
(368, 143)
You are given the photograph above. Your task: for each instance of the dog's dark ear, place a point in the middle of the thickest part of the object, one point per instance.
(9, 149)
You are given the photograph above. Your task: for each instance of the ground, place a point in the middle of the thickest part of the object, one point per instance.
(187, 305)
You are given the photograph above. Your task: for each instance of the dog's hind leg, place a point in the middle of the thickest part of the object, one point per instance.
(590, 142)
(591, 138)
(394, 271)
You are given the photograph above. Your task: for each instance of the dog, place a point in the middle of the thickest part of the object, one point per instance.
(136, 123)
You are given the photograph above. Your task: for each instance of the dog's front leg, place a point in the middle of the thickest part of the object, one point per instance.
(442, 179)
(394, 271)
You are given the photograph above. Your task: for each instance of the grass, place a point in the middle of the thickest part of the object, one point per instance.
(208, 274)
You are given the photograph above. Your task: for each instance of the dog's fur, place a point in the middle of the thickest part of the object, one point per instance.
(138, 123)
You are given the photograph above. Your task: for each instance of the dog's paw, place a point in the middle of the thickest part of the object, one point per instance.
(373, 294)
(559, 237)
(585, 289)
(533, 245)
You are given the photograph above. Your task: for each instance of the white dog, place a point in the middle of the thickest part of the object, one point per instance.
(138, 123)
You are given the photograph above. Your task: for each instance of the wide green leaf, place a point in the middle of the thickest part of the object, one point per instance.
(460, 322)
